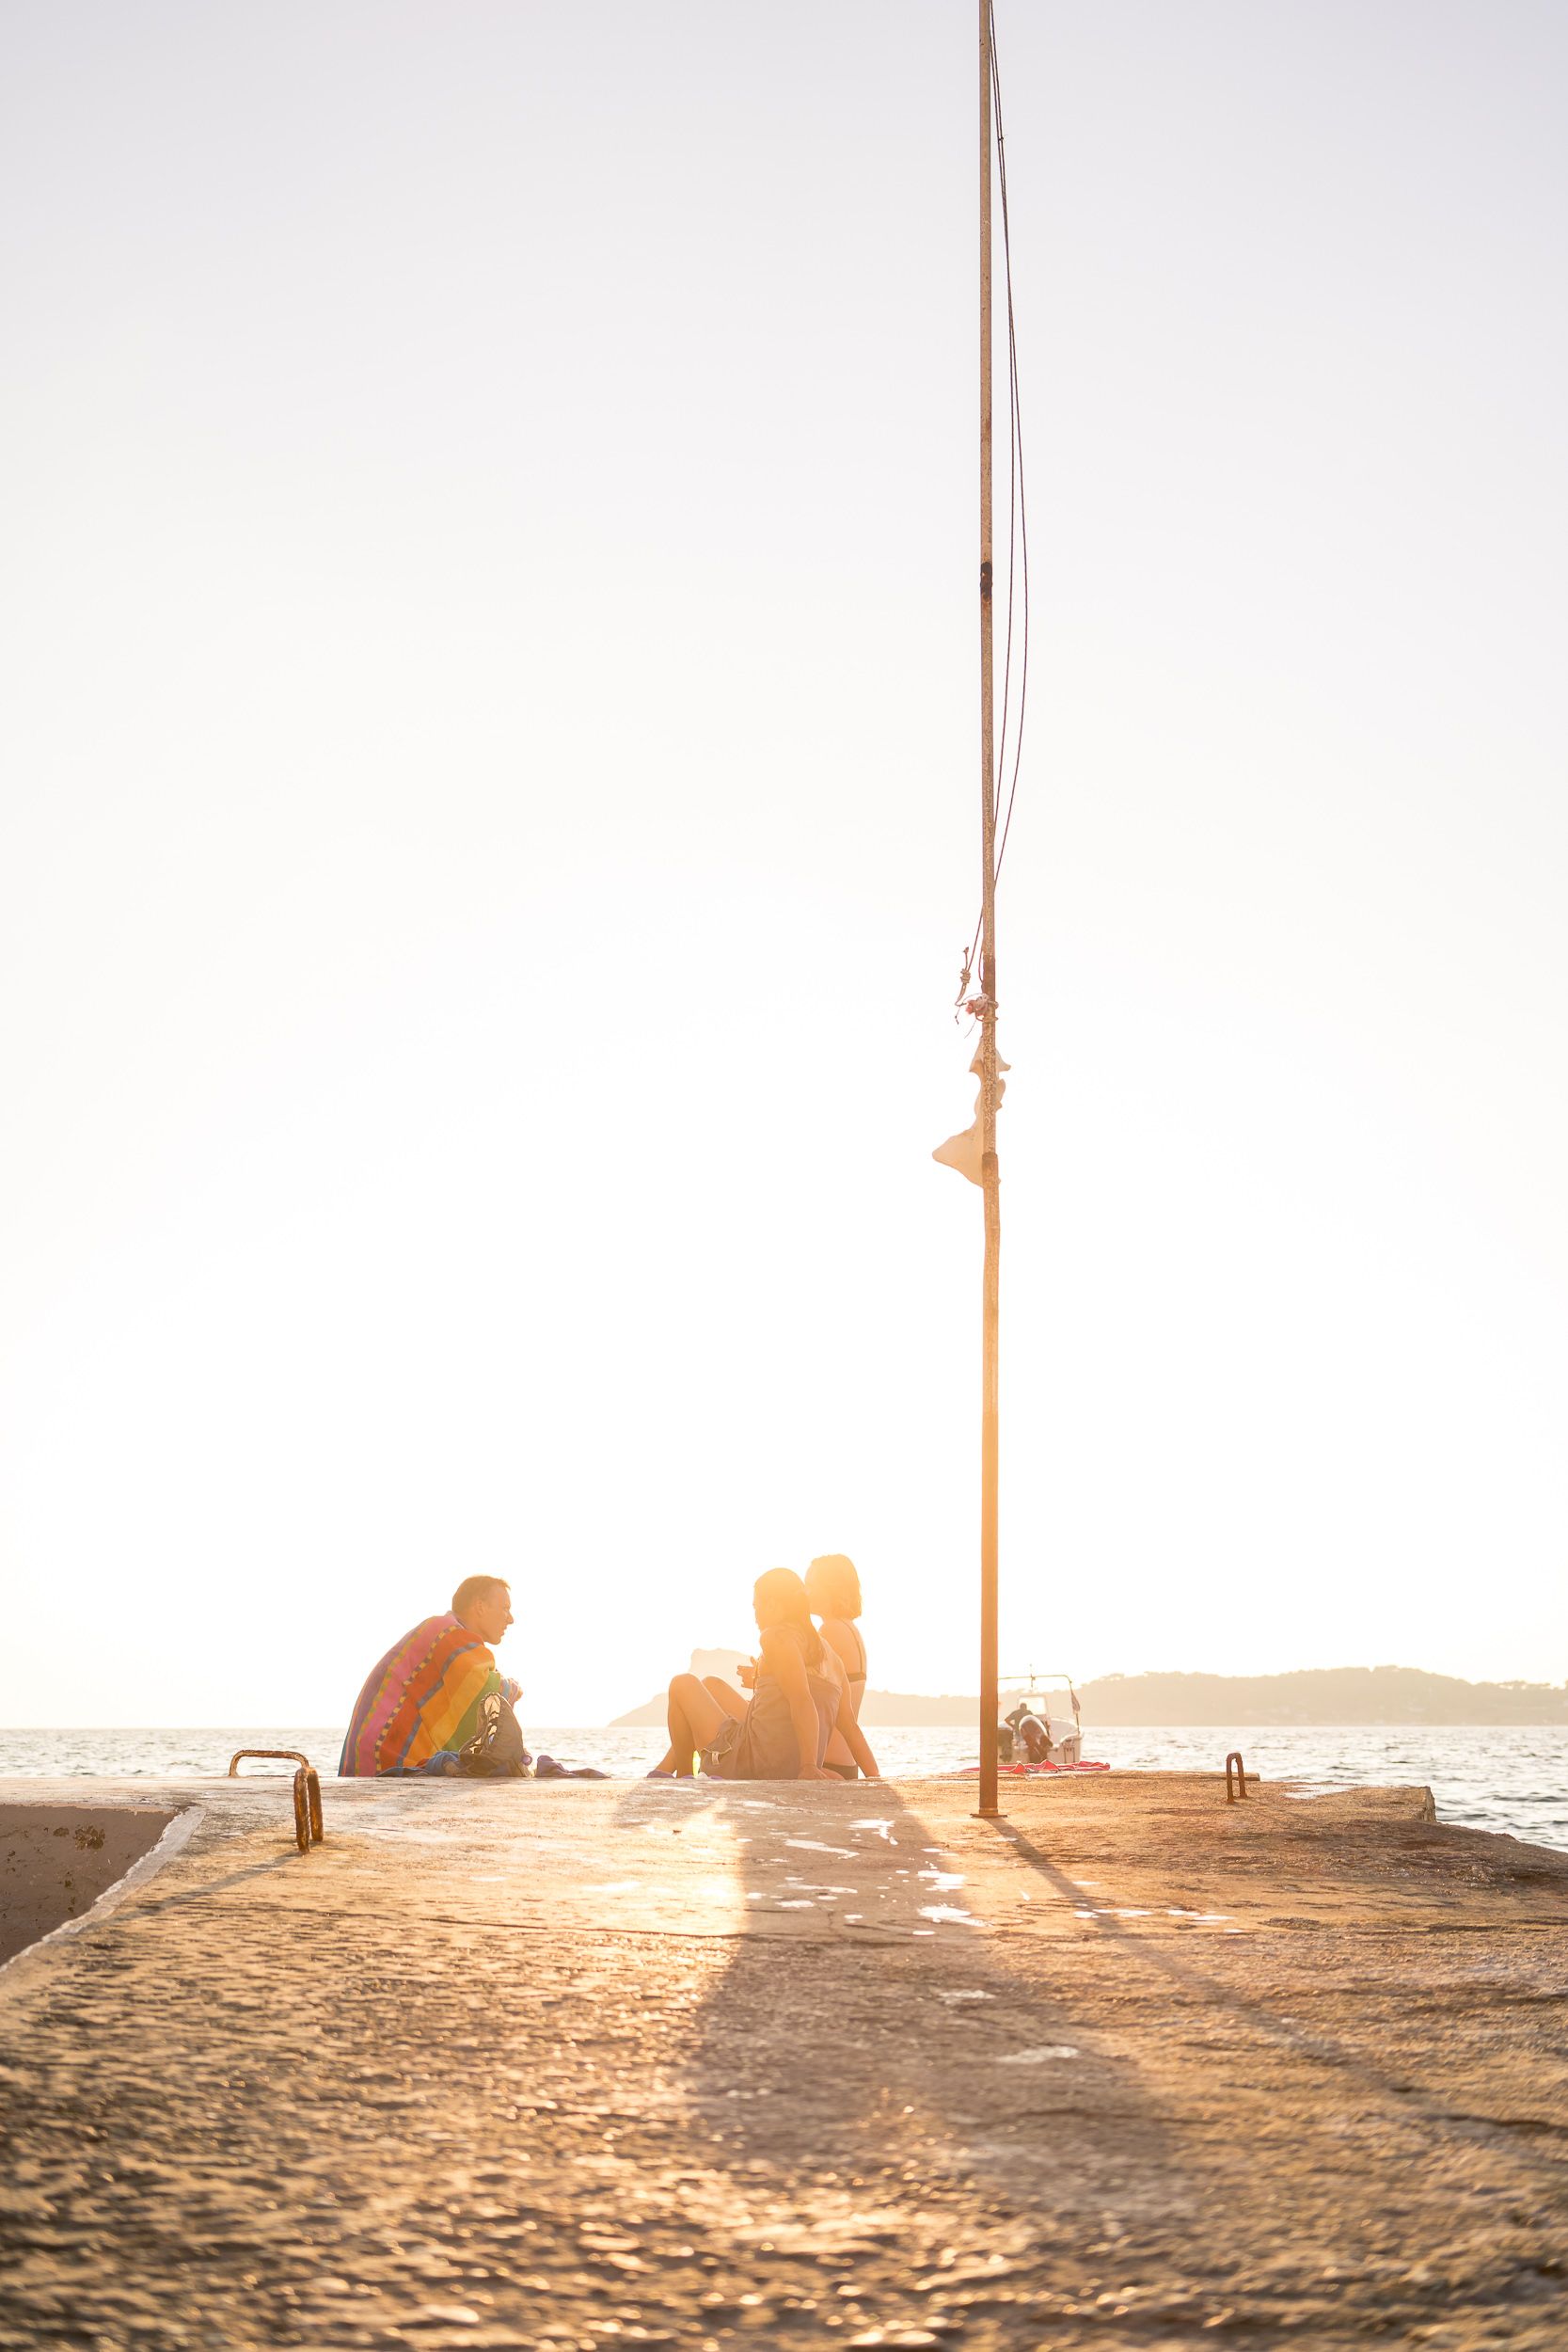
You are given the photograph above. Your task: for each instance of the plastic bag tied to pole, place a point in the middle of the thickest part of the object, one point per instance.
(964, 1150)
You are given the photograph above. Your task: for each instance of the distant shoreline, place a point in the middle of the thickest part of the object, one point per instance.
(1319, 1699)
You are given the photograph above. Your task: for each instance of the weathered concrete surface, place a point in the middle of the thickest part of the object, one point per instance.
(56, 1860)
(533, 2065)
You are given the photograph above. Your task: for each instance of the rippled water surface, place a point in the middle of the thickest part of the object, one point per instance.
(1514, 1778)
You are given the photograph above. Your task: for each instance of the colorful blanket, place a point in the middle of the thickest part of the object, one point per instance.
(423, 1696)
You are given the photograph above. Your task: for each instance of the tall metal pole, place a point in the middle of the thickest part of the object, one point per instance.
(989, 1176)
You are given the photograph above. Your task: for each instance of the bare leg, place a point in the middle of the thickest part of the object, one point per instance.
(734, 1702)
(693, 1719)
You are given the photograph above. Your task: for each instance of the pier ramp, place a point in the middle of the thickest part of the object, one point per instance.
(606, 2064)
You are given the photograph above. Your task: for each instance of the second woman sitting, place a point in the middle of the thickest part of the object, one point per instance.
(799, 1698)
(833, 1590)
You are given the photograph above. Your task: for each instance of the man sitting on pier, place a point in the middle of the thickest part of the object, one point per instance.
(426, 1697)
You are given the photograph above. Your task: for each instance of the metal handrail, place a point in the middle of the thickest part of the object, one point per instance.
(288, 1756)
(306, 1790)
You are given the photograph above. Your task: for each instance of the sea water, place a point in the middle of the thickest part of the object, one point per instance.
(1512, 1778)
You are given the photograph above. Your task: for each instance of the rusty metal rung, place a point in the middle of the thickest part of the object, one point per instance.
(306, 1790)
(1236, 1787)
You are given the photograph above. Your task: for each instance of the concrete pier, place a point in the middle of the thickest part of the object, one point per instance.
(593, 2065)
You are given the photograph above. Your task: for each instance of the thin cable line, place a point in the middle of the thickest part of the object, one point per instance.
(1019, 510)
(1015, 471)
(1017, 529)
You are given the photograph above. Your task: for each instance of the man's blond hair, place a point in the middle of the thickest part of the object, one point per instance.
(475, 1588)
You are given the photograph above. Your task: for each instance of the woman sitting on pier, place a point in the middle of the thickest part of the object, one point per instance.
(799, 1698)
(833, 1589)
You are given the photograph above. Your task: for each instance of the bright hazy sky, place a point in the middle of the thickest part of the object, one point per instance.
(489, 827)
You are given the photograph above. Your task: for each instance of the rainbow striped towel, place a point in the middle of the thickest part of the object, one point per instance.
(423, 1696)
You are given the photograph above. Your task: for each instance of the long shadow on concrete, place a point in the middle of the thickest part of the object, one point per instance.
(870, 2065)
(1425, 2117)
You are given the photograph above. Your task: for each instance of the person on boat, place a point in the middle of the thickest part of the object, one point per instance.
(1031, 1732)
(833, 1590)
(798, 1699)
(425, 1699)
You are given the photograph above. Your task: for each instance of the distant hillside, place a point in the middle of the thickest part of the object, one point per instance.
(1328, 1694)
(703, 1662)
